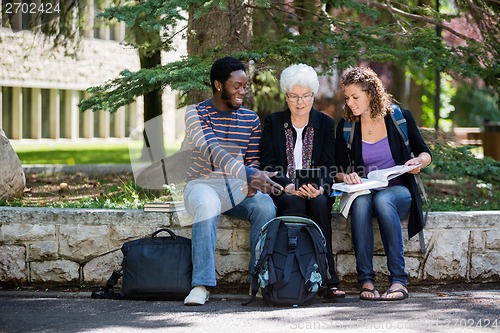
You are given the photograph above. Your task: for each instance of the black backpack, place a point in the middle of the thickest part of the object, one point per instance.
(291, 266)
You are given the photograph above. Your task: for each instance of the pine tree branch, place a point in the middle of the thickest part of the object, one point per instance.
(391, 9)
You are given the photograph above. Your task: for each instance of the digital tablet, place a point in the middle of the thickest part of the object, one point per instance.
(307, 176)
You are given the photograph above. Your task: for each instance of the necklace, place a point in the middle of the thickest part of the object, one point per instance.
(373, 124)
(370, 131)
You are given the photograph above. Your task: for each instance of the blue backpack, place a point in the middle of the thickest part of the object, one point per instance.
(291, 265)
(400, 122)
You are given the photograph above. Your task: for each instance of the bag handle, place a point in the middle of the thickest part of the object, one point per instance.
(172, 234)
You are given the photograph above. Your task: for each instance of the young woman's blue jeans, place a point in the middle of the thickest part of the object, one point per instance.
(389, 206)
(205, 200)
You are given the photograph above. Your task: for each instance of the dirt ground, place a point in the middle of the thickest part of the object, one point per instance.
(42, 189)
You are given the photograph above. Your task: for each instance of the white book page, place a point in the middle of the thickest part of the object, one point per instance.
(390, 173)
(366, 184)
(347, 199)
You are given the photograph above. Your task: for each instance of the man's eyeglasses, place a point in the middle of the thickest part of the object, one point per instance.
(295, 98)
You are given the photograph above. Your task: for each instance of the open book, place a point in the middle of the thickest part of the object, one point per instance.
(375, 179)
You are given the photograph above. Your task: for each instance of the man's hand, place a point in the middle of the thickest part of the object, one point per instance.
(250, 191)
(261, 181)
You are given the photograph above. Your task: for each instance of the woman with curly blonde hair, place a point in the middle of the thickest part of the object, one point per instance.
(368, 81)
(377, 144)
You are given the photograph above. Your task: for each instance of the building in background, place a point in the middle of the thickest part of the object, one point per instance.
(41, 86)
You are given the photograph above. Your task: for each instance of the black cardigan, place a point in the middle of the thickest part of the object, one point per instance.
(400, 154)
(273, 146)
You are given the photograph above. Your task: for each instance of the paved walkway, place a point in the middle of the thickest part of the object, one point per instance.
(457, 311)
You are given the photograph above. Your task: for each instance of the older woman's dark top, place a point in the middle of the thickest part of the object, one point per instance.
(273, 146)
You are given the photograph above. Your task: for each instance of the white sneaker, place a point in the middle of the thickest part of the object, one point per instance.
(198, 296)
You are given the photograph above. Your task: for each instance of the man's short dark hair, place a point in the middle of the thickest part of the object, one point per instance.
(222, 68)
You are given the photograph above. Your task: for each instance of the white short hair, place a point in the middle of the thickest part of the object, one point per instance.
(299, 75)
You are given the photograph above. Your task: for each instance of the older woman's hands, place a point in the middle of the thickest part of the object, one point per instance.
(306, 191)
(309, 191)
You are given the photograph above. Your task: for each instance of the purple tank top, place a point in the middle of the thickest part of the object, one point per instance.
(377, 155)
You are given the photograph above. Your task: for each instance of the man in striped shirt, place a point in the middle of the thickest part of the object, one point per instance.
(224, 176)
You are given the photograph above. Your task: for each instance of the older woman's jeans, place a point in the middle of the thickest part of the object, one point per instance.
(205, 200)
(389, 206)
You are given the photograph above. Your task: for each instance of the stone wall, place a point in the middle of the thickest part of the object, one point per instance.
(75, 247)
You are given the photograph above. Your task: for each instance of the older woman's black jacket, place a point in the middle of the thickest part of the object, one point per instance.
(400, 154)
(273, 146)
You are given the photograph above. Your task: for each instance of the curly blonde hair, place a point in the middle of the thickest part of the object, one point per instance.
(366, 79)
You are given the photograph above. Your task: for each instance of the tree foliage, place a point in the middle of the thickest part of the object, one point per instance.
(327, 34)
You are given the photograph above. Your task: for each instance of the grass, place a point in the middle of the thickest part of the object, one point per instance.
(83, 153)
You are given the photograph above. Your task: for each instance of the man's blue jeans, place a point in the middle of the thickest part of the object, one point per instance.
(389, 206)
(205, 200)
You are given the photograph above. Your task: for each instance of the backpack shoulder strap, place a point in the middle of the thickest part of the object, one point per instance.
(349, 133)
(107, 292)
(271, 231)
(400, 122)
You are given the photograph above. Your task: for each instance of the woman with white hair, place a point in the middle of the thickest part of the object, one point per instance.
(302, 138)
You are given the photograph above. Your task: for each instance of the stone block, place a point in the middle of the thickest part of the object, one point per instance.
(228, 222)
(493, 239)
(224, 240)
(158, 218)
(380, 264)
(341, 241)
(28, 231)
(477, 240)
(241, 240)
(184, 232)
(232, 268)
(44, 250)
(13, 263)
(485, 266)
(447, 259)
(182, 218)
(55, 271)
(346, 265)
(97, 271)
(412, 245)
(83, 242)
(468, 220)
(412, 267)
(119, 234)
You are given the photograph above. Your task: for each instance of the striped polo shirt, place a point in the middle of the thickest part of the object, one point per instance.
(222, 142)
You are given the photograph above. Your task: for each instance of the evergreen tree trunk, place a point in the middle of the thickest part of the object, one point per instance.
(415, 102)
(153, 148)
(225, 31)
(398, 86)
